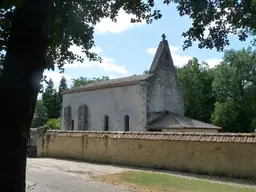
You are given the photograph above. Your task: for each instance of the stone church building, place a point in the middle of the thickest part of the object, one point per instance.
(149, 102)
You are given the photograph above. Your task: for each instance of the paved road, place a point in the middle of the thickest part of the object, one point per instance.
(51, 175)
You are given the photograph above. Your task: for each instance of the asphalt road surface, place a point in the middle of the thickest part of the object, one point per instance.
(52, 175)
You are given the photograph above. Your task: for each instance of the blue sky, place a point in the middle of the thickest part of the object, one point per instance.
(128, 49)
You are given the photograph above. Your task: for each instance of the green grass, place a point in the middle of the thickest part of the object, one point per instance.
(154, 182)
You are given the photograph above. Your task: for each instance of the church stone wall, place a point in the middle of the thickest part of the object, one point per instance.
(113, 102)
(212, 154)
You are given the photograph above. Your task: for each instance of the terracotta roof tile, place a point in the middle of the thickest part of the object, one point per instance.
(175, 121)
(173, 136)
(110, 83)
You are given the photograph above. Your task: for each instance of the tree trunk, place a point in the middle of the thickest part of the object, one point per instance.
(19, 82)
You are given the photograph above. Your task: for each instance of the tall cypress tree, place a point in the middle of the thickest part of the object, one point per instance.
(51, 101)
(62, 87)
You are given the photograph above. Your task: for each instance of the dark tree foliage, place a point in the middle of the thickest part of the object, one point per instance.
(199, 99)
(234, 85)
(220, 18)
(224, 95)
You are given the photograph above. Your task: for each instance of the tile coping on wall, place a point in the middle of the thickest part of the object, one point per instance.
(196, 137)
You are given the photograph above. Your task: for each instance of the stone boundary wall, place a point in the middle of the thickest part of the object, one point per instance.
(223, 154)
(36, 135)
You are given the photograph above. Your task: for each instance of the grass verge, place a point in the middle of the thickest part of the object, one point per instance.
(160, 182)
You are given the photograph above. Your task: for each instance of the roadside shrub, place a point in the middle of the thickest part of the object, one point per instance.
(53, 123)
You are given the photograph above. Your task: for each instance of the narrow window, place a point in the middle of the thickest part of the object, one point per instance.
(106, 123)
(72, 124)
(126, 123)
(67, 117)
(83, 117)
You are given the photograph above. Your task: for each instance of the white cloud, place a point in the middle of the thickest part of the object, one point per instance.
(180, 60)
(213, 61)
(77, 50)
(151, 51)
(123, 23)
(113, 76)
(174, 49)
(107, 64)
(96, 49)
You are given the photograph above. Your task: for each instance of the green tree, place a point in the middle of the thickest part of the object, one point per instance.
(37, 33)
(199, 100)
(51, 101)
(62, 87)
(225, 115)
(40, 115)
(53, 123)
(63, 84)
(84, 81)
(234, 85)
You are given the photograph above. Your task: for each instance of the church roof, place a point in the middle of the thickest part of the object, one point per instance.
(174, 121)
(124, 81)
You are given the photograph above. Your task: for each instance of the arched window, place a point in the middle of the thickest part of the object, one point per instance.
(106, 123)
(67, 117)
(126, 123)
(83, 117)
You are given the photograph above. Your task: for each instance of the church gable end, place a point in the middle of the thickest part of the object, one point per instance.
(164, 90)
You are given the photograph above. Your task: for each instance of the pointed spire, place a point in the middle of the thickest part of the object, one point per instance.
(163, 49)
